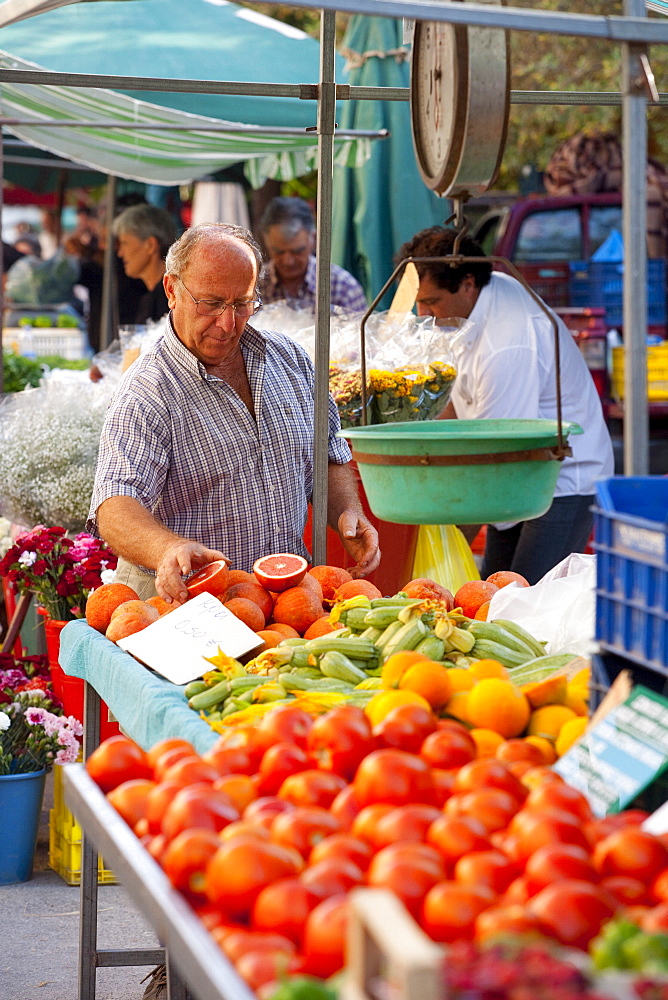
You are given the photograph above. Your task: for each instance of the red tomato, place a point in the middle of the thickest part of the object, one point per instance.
(491, 868)
(443, 784)
(508, 920)
(447, 748)
(492, 806)
(342, 845)
(199, 805)
(660, 887)
(325, 937)
(116, 760)
(405, 823)
(450, 910)
(627, 891)
(572, 911)
(170, 756)
(340, 739)
(406, 727)
(517, 893)
(169, 743)
(131, 799)
(604, 825)
(242, 867)
(489, 773)
(283, 907)
(303, 827)
(559, 795)
(263, 967)
(394, 777)
(263, 811)
(278, 763)
(252, 739)
(244, 826)
(345, 807)
(532, 830)
(286, 724)
(454, 836)
(236, 943)
(554, 862)
(631, 851)
(331, 877)
(189, 770)
(186, 857)
(229, 760)
(156, 846)
(408, 870)
(365, 824)
(312, 788)
(655, 921)
(241, 789)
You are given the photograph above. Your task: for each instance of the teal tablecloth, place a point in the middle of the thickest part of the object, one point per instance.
(147, 707)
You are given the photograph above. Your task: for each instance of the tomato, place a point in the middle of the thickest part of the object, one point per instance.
(263, 811)
(539, 775)
(169, 743)
(517, 893)
(116, 760)
(631, 851)
(489, 773)
(325, 937)
(131, 798)
(655, 921)
(283, 907)
(342, 845)
(303, 827)
(513, 919)
(448, 748)
(211, 916)
(332, 876)
(454, 836)
(572, 911)
(252, 739)
(198, 805)
(278, 763)
(244, 826)
(492, 806)
(626, 890)
(340, 739)
(365, 824)
(236, 943)
(394, 777)
(406, 727)
(168, 757)
(660, 887)
(450, 910)
(312, 788)
(409, 822)
(345, 807)
(156, 846)
(189, 770)
(241, 789)
(263, 967)
(558, 795)
(186, 857)
(242, 867)
(443, 784)
(491, 868)
(286, 724)
(532, 830)
(601, 827)
(558, 861)
(229, 760)
(408, 870)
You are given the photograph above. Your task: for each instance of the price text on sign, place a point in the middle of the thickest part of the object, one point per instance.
(176, 644)
(622, 755)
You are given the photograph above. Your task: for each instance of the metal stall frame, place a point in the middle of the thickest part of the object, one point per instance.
(634, 32)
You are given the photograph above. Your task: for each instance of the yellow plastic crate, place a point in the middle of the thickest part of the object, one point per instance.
(65, 840)
(657, 372)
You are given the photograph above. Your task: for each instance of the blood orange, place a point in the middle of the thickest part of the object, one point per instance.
(280, 571)
(211, 579)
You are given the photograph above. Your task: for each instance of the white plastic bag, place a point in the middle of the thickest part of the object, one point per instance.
(559, 610)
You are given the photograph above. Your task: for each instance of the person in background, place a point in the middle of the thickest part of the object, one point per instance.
(49, 236)
(506, 369)
(145, 234)
(28, 245)
(288, 232)
(207, 448)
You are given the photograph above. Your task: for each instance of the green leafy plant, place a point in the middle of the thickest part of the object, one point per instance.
(18, 372)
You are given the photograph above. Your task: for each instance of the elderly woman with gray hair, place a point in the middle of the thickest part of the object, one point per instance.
(145, 234)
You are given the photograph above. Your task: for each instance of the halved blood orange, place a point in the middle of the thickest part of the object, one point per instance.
(211, 579)
(280, 571)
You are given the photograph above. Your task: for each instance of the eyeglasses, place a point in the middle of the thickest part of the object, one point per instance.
(213, 307)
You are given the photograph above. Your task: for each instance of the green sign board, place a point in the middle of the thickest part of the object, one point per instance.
(621, 755)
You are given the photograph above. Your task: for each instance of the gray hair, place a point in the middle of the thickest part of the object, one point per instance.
(289, 214)
(144, 221)
(180, 252)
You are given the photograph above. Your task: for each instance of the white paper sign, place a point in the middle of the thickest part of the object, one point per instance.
(174, 645)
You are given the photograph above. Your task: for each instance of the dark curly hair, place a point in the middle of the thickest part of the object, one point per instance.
(439, 242)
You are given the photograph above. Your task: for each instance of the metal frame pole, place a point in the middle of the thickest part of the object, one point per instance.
(107, 326)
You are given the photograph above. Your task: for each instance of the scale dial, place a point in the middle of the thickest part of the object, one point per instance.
(459, 98)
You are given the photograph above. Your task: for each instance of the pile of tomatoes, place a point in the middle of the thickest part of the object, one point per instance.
(268, 832)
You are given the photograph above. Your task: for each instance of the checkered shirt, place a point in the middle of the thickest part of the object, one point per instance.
(345, 291)
(182, 443)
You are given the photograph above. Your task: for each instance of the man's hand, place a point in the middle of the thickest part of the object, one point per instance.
(360, 540)
(179, 560)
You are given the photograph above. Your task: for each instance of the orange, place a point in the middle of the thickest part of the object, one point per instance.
(322, 626)
(570, 733)
(286, 630)
(497, 704)
(125, 625)
(247, 611)
(252, 592)
(298, 607)
(488, 668)
(482, 612)
(161, 604)
(551, 691)
(429, 590)
(382, 704)
(471, 595)
(547, 721)
(545, 746)
(211, 579)
(397, 664)
(104, 600)
(486, 741)
(330, 578)
(457, 707)
(506, 576)
(461, 679)
(270, 638)
(280, 571)
(577, 698)
(141, 608)
(429, 679)
(351, 588)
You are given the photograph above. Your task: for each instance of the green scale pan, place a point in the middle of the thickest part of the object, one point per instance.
(459, 471)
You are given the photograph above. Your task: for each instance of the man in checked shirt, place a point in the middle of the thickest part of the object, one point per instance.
(207, 447)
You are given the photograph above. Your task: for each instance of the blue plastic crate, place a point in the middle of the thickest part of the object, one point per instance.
(600, 284)
(605, 667)
(631, 544)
